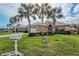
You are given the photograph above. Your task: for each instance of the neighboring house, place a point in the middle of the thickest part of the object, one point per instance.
(22, 28)
(3, 29)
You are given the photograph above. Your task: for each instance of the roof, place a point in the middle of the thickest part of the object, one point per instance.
(22, 26)
(58, 23)
(38, 23)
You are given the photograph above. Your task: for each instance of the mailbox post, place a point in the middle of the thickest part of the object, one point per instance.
(16, 47)
(15, 37)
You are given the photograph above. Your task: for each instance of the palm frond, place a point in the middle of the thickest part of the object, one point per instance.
(33, 17)
(24, 6)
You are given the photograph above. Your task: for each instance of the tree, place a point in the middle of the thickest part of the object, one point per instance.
(54, 13)
(27, 11)
(41, 12)
(13, 21)
(9, 27)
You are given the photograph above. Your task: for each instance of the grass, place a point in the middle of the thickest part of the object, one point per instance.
(58, 45)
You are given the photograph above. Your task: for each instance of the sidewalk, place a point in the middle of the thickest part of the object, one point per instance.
(10, 34)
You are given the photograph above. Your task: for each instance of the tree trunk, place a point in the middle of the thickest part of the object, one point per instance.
(15, 28)
(54, 21)
(42, 22)
(29, 27)
(9, 29)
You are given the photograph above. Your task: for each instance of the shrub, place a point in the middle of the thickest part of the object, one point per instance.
(62, 31)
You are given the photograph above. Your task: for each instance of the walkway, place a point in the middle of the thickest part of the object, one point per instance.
(10, 34)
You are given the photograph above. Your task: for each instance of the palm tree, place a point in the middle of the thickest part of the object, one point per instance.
(9, 27)
(27, 11)
(41, 12)
(13, 21)
(54, 13)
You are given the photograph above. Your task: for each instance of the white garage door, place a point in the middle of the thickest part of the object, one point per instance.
(33, 30)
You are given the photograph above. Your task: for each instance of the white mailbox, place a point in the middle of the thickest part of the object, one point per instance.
(15, 36)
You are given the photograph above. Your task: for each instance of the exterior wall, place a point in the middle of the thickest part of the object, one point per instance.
(60, 27)
(33, 30)
(21, 29)
(44, 28)
(41, 28)
(77, 27)
(65, 27)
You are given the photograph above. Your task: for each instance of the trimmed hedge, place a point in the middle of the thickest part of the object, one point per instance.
(62, 31)
(37, 34)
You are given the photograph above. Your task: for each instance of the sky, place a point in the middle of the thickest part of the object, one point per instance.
(70, 12)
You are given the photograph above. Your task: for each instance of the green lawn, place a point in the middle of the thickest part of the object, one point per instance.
(60, 45)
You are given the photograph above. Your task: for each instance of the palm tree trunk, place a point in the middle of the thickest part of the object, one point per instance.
(54, 21)
(42, 22)
(10, 29)
(15, 29)
(29, 28)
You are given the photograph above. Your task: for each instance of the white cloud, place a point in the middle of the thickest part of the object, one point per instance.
(9, 9)
(66, 9)
(76, 10)
(66, 12)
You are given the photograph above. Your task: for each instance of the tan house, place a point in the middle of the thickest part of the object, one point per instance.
(37, 27)
(77, 27)
(41, 28)
(61, 25)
